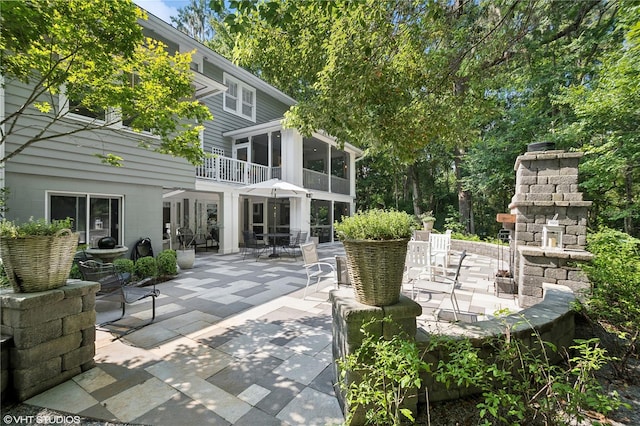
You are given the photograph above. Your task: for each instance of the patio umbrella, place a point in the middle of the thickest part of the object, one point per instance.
(274, 188)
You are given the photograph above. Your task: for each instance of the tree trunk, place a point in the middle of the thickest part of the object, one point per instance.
(464, 197)
(415, 190)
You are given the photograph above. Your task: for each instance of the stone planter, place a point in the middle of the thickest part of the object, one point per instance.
(186, 258)
(427, 225)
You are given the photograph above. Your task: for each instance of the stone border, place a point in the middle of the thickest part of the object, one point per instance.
(552, 319)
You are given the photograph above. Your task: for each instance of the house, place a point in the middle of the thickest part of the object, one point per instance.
(153, 194)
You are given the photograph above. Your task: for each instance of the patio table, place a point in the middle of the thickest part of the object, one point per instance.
(272, 238)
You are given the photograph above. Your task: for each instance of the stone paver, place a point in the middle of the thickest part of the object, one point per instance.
(234, 343)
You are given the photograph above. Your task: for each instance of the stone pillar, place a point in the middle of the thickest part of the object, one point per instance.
(53, 336)
(348, 317)
(546, 186)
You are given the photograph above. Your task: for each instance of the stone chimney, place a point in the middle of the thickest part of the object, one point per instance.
(547, 196)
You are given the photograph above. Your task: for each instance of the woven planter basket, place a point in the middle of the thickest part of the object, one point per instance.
(38, 263)
(375, 269)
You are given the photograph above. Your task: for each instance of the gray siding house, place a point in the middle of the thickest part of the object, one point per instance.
(153, 194)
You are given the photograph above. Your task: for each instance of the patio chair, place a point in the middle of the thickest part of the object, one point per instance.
(252, 243)
(116, 287)
(418, 260)
(440, 284)
(440, 246)
(296, 238)
(316, 268)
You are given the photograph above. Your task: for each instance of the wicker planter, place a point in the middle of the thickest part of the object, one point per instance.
(375, 269)
(38, 263)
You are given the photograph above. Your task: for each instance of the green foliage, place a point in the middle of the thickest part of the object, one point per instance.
(146, 267)
(614, 274)
(75, 273)
(520, 384)
(93, 48)
(124, 265)
(167, 263)
(376, 224)
(39, 227)
(4, 280)
(387, 372)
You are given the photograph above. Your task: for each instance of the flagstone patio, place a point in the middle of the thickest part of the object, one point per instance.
(234, 343)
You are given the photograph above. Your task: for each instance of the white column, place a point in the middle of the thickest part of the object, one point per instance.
(291, 149)
(229, 222)
(300, 212)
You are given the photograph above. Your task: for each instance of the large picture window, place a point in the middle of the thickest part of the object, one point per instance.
(94, 216)
(239, 99)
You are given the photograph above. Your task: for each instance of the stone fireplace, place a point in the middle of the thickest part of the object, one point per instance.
(547, 203)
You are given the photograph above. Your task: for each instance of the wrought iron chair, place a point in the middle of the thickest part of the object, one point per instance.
(252, 243)
(296, 239)
(316, 268)
(115, 286)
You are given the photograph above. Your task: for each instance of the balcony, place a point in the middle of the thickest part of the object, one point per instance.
(229, 170)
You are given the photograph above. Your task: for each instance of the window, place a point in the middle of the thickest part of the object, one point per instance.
(75, 105)
(239, 99)
(94, 216)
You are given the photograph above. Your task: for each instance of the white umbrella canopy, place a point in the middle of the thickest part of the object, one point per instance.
(274, 188)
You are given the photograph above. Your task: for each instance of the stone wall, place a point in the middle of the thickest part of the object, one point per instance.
(552, 318)
(53, 336)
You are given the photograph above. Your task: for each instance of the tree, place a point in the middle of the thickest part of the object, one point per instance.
(396, 76)
(193, 20)
(90, 55)
(606, 108)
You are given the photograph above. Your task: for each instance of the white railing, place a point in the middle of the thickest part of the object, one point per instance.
(230, 170)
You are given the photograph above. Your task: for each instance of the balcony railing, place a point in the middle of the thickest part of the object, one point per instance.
(230, 170)
(320, 181)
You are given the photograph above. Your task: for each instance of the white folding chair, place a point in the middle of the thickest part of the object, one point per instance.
(418, 258)
(440, 246)
(317, 269)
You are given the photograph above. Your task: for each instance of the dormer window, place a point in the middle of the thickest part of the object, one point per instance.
(239, 99)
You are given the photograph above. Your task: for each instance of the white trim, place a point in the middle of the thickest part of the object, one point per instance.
(242, 89)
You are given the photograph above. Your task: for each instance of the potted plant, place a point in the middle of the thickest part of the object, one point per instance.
(427, 220)
(375, 243)
(186, 253)
(37, 255)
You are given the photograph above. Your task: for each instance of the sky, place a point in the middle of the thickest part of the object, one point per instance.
(163, 9)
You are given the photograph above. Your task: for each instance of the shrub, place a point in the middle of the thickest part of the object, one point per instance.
(167, 263)
(387, 371)
(614, 272)
(146, 267)
(39, 227)
(124, 265)
(376, 224)
(521, 386)
(74, 273)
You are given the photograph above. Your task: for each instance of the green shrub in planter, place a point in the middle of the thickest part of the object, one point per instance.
(167, 263)
(146, 267)
(376, 224)
(375, 242)
(124, 265)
